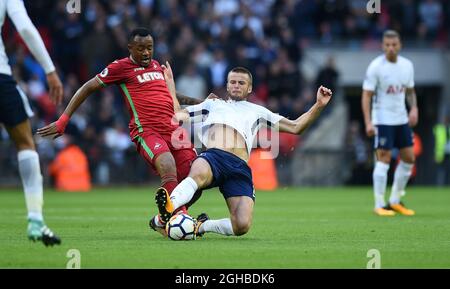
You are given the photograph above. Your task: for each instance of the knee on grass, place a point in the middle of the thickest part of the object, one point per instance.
(241, 227)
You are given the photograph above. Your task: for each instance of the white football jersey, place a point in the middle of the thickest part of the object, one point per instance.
(389, 81)
(16, 11)
(245, 117)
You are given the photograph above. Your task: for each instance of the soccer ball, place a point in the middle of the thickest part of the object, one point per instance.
(180, 227)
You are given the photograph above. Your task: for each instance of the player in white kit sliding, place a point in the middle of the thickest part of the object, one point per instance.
(15, 112)
(389, 79)
(228, 128)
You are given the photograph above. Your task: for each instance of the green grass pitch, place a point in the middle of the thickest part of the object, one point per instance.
(292, 228)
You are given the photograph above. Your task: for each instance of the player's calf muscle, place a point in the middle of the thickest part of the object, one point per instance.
(165, 164)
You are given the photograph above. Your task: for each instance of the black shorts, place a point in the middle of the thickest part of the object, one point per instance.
(14, 105)
(389, 136)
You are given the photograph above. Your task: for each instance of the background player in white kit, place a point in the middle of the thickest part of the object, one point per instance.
(228, 129)
(389, 78)
(15, 112)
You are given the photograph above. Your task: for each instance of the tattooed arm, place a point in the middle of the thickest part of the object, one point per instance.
(186, 100)
(411, 99)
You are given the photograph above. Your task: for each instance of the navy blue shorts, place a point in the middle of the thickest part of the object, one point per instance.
(230, 173)
(14, 105)
(390, 136)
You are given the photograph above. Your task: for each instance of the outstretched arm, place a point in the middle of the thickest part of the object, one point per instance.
(168, 75)
(304, 121)
(56, 129)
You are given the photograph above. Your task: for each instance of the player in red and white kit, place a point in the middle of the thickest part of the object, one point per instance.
(151, 103)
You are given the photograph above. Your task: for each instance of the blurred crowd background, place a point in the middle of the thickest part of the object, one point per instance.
(202, 39)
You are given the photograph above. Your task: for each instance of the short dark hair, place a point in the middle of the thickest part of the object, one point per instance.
(391, 34)
(241, 69)
(139, 31)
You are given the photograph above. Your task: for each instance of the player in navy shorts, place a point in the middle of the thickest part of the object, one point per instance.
(388, 137)
(389, 81)
(228, 128)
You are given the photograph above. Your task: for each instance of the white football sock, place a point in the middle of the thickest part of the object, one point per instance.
(30, 173)
(222, 226)
(183, 193)
(401, 177)
(380, 176)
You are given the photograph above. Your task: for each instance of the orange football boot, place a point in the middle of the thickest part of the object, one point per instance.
(383, 212)
(165, 206)
(400, 208)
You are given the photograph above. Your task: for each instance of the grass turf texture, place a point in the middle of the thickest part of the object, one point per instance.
(292, 228)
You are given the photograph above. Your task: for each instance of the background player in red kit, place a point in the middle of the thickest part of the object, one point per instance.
(151, 103)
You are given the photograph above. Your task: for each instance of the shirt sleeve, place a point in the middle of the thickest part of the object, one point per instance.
(269, 117)
(112, 74)
(19, 16)
(198, 111)
(370, 82)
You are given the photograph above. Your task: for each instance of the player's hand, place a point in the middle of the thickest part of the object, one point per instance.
(323, 96)
(49, 131)
(413, 117)
(180, 117)
(55, 129)
(370, 130)
(56, 87)
(168, 75)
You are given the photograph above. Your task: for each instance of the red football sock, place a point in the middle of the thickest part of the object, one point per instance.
(169, 182)
(181, 209)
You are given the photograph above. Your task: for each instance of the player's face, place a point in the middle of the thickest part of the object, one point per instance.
(141, 49)
(238, 85)
(391, 47)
